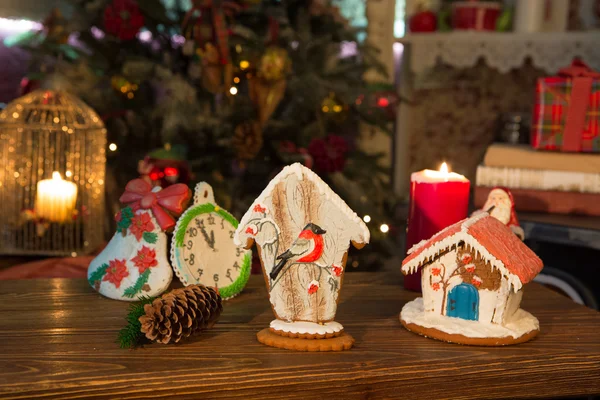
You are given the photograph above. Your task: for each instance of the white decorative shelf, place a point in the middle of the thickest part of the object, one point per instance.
(549, 51)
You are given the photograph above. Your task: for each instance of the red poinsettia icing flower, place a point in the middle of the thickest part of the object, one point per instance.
(466, 258)
(259, 208)
(313, 287)
(436, 271)
(329, 154)
(141, 223)
(123, 19)
(116, 271)
(470, 268)
(337, 271)
(145, 258)
(476, 281)
(435, 286)
(118, 216)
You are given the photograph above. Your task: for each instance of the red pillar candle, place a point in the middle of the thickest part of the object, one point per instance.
(437, 199)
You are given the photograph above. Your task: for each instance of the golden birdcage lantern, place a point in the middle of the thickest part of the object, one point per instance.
(53, 152)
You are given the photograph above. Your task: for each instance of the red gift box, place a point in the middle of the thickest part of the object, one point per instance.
(566, 116)
(473, 15)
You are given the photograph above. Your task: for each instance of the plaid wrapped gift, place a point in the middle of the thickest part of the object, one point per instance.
(567, 111)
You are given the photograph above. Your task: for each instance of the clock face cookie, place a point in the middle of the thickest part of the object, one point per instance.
(202, 250)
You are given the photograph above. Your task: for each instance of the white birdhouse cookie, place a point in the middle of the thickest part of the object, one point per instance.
(303, 231)
(202, 248)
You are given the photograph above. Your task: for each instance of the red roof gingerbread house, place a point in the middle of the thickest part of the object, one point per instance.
(473, 273)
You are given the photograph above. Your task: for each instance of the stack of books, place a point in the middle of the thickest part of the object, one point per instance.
(540, 181)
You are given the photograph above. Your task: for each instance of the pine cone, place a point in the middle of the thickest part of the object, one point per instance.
(247, 140)
(181, 313)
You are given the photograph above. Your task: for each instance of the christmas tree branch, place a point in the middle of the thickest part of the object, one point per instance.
(131, 336)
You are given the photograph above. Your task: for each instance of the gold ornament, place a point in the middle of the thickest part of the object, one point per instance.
(266, 96)
(333, 108)
(216, 77)
(247, 140)
(55, 27)
(121, 85)
(268, 88)
(274, 64)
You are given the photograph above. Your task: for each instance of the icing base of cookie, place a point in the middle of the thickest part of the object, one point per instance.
(521, 328)
(339, 343)
(296, 328)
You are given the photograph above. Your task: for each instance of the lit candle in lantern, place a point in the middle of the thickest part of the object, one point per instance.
(437, 199)
(55, 200)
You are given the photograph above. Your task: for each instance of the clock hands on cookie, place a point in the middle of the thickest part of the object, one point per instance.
(202, 249)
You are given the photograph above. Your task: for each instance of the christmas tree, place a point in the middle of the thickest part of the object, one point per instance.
(223, 91)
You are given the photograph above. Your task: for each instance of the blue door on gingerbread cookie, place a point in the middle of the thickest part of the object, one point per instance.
(463, 302)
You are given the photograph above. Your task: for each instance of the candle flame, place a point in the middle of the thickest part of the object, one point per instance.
(444, 168)
(56, 175)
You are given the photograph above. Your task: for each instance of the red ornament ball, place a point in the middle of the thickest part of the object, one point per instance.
(423, 21)
(329, 154)
(123, 19)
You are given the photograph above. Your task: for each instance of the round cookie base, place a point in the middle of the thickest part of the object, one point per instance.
(338, 343)
(434, 333)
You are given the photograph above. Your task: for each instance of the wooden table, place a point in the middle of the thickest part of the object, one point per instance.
(57, 339)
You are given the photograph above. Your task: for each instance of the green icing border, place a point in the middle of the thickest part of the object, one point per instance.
(239, 284)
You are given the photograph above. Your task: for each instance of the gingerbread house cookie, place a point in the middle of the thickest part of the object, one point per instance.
(302, 230)
(473, 273)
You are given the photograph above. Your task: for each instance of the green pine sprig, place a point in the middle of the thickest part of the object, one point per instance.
(150, 237)
(98, 274)
(131, 335)
(125, 222)
(134, 289)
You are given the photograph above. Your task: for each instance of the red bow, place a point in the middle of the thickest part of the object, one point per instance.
(139, 195)
(578, 68)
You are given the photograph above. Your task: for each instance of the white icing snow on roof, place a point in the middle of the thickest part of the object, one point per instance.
(461, 236)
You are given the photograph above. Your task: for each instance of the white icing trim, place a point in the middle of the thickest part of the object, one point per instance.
(306, 327)
(416, 246)
(199, 196)
(464, 236)
(303, 172)
(475, 217)
(518, 325)
(471, 221)
(503, 51)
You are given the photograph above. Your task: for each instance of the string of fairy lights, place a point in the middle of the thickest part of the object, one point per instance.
(384, 228)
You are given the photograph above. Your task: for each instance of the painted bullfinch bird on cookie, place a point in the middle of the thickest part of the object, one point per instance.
(307, 248)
